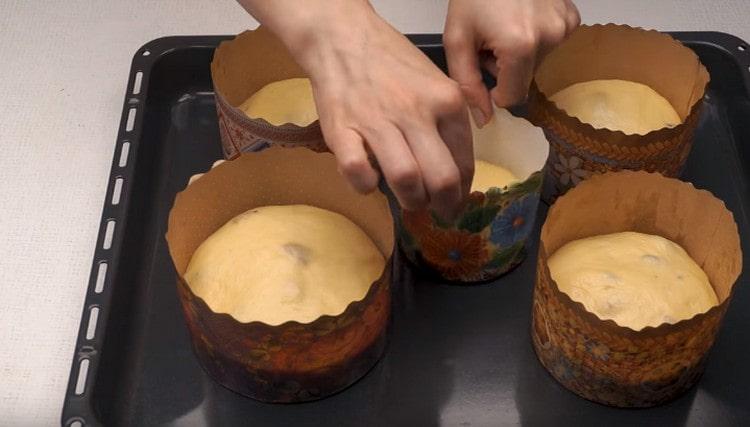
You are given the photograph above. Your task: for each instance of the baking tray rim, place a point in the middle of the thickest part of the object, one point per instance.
(78, 404)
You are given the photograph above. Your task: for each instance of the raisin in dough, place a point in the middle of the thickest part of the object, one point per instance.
(279, 263)
(635, 279)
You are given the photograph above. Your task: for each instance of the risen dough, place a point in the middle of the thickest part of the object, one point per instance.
(278, 263)
(488, 175)
(284, 101)
(635, 279)
(631, 107)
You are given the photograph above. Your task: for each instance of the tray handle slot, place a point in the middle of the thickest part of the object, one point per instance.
(131, 119)
(109, 234)
(93, 320)
(137, 83)
(101, 275)
(83, 373)
(124, 151)
(117, 190)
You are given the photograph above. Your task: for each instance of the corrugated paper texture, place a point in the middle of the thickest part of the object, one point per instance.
(616, 365)
(293, 361)
(241, 67)
(617, 52)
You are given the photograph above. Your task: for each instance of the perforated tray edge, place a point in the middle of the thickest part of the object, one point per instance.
(78, 408)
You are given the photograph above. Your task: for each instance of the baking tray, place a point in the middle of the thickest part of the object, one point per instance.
(456, 355)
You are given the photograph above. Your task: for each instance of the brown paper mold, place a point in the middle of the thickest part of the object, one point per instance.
(293, 361)
(241, 67)
(610, 51)
(615, 365)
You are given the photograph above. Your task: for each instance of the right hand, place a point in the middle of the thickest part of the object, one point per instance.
(377, 93)
(509, 38)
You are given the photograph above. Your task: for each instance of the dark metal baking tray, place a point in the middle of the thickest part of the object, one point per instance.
(456, 356)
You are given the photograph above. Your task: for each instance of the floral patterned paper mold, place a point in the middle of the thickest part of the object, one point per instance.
(615, 365)
(294, 361)
(488, 237)
(608, 52)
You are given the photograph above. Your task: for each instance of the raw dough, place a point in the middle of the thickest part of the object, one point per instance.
(488, 175)
(279, 263)
(284, 101)
(635, 279)
(631, 107)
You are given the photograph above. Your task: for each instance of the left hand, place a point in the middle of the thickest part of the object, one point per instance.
(508, 38)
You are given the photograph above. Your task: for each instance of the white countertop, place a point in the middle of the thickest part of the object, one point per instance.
(64, 70)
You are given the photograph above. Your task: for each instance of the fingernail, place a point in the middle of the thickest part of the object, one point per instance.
(479, 118)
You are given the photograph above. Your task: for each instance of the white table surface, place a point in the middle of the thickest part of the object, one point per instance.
(64, 69)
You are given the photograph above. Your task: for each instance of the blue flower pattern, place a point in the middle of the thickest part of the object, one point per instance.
(515, 222)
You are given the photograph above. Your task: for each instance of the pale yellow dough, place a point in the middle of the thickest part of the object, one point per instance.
(635, 279)
(631, 107)
(279, 263)
(284, 101)
(487, 175)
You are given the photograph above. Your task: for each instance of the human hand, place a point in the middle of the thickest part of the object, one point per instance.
(376, 93)
(508, 38)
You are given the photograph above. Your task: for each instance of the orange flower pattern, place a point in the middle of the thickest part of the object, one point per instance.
(465, 250)
(417, 222)
(455, 254)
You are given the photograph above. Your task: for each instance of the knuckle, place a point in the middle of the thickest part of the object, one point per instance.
(523, 42)
(448, 180)
(452, 96)
(575, 17)
(505, 98)
(454, 39)
(353, 165)
(556, 31)
(411, 205)
(471, 82)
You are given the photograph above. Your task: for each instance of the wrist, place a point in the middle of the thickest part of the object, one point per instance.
(319, 25)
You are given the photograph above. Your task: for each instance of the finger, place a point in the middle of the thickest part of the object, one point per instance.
(455, 131)
(554, 33)
(440, 173)
(463, 66)
(572, 17)
(348, 147)
(401, 170)
(514, 78)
